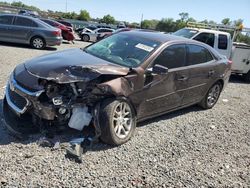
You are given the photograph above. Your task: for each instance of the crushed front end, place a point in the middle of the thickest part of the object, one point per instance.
(32, 103)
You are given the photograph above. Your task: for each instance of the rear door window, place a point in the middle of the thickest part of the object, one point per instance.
(6, 20)
(198, 54)
(207, 38)
(172, 57)
(25, 22)
(222, 42)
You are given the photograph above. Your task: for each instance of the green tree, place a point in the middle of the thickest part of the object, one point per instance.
(212, 22)
(145, 24)
(149, 24)
(108, 19)
(24, 6)
(167, 25)
(226, 21)
(17, 4)
(204, 21)
(191, 19)
(84, 15)
(134, 25)
(238, 22)
(69, 15)
(184, 16)
(179, 24)
(243, 38)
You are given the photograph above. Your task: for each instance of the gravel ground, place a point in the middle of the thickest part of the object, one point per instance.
(187, 148)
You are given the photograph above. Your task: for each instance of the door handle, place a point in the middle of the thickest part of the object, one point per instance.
(182, 78)
(211, 72)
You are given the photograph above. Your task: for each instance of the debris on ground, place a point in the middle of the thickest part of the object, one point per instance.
(56, 146)
(78, 147)
(45, 142)
(225, 100)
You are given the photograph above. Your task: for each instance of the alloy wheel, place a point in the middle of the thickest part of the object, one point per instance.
(213, 95)
(122, 120)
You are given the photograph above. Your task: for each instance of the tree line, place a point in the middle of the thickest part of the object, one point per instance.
(168, 25)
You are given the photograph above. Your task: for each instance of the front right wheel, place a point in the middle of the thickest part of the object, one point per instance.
(117, 121)
(212, 96)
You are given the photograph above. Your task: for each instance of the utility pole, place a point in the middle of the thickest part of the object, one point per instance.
(141, 20)
(66, 7)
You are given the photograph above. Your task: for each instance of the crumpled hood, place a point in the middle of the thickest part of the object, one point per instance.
(71, 66)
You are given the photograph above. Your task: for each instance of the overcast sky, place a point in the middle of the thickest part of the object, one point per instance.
(131, 10)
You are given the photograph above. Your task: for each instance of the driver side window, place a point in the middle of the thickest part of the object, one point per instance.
(172, 57)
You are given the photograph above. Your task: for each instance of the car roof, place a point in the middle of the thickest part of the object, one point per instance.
(18, 15)
(157, 36)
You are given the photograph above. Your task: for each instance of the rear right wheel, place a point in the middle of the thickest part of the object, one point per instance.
(38, 43)
(212, 96)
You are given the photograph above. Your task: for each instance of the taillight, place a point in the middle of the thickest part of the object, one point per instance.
(230, 62)
(57, 33)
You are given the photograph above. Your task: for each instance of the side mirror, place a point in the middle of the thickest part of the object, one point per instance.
(158, 69)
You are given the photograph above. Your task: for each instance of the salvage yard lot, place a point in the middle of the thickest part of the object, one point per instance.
(190, 147)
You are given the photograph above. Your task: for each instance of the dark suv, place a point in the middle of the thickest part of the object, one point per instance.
(28, 30)
(114, 83)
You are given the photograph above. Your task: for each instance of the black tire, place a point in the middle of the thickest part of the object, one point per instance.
(85, 38)
(247, 77)
(38, 42)
(108, 124)
(205, 103)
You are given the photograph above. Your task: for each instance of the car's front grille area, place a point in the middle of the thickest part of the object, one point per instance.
(17, 100)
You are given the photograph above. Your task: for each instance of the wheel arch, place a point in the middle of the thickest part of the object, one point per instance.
(124, 98)
(221, 81)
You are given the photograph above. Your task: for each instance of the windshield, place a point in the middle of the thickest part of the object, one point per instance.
(123, 49)
(187, 33)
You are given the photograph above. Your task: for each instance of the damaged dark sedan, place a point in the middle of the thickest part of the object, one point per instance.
(113, 84)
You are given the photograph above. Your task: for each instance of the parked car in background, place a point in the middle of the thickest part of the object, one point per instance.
(67, 33)
(103, 26)
(29, 13)
(89, 35)
(104, 35)
(80, 30)
(69, 25)
(28, 30)
(114, 83)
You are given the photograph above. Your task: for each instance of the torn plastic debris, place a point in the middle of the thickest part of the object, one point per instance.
(77, 147)
(80, 118)
(45, 142)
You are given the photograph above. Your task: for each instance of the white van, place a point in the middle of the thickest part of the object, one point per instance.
(241, 60)
(219, 40)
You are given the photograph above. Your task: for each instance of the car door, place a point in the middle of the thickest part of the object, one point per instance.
(22, 29)
(165, 91)
(5, 24)
(202, 70)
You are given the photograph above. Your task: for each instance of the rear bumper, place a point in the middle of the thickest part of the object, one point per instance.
(54, 41)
